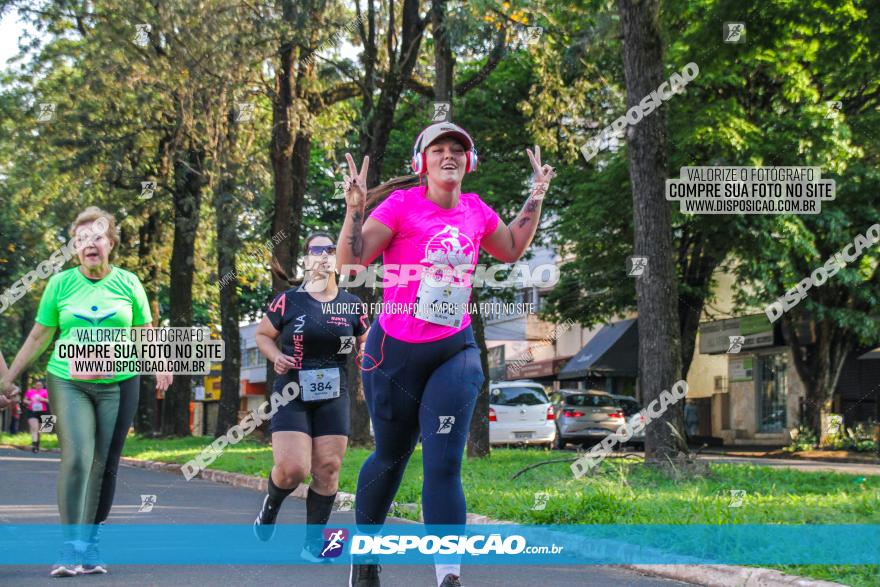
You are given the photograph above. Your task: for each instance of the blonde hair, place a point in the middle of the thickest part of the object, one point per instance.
(90, 215)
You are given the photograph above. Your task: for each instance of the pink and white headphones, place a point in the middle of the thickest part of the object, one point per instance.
(434, 132)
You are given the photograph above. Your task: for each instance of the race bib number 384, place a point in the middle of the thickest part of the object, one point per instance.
(318, 384)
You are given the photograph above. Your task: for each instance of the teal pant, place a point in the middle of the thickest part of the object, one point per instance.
(92, 421)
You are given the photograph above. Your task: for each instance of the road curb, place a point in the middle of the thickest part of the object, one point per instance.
(730, 576)
(706, 575)
(240, 480)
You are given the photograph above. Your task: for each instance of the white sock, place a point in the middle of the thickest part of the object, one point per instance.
(443, 570)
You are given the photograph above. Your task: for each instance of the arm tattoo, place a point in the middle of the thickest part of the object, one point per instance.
(523, 221)
(532, 205)
(356, 241)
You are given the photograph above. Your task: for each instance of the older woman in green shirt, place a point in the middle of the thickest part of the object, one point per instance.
(94, 411)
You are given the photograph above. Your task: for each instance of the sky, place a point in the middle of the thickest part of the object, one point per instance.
(10, 30)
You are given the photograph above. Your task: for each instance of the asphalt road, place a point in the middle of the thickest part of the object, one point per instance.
(27, 496)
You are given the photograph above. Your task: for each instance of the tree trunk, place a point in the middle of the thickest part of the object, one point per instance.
(25, 324)
(145, 417)
(444, 65)
(228, 244)
(289, 152)
(818, 365)
(698, 260)
(478, 438)
(877, 420)
(359, 415)
(444, 61)
(281, 155)
(189, 181)
(656, 290)
(379, 116)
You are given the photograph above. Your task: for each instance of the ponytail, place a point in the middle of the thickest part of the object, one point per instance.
(376, 195)
(279, 271)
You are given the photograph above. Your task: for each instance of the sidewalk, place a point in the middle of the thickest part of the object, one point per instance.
(775, 458)
(775, 452)
(798, 464)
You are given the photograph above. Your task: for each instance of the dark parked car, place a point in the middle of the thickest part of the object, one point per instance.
(632, 410)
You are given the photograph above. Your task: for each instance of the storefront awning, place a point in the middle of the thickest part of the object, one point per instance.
(535, 369)
(755, 332)
(872, 354)
(613, 351)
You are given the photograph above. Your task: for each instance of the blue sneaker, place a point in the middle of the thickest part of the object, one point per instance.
(91, 561)
(66, 565)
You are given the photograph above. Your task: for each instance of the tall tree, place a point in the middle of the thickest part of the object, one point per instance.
(657, 291)
(227, 211)
(297, 98)
(390, 78)
(146, 417)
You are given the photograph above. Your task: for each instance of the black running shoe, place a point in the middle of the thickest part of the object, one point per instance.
(264, 525)
(66, 564)
(364, 576)
(451, 580)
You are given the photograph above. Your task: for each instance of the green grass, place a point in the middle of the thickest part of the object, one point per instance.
(621, 492)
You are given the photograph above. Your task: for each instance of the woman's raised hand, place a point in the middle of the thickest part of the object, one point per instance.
(542, 174)
(355, 183)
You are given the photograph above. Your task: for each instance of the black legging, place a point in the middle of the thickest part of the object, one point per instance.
(428, 388)
(92, 422)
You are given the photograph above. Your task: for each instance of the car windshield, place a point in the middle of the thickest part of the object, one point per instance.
(589, 400)
(517, 396)
(629, 406)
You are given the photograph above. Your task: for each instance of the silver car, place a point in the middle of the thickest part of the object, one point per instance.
(585, 417)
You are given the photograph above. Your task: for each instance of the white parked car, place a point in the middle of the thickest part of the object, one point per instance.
(520, 413)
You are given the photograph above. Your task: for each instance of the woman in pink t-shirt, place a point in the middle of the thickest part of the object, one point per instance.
(421, 365)
(36, 400)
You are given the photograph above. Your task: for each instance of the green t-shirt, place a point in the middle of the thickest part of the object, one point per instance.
(72, 301)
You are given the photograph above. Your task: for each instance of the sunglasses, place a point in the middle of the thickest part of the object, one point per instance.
(320, 249)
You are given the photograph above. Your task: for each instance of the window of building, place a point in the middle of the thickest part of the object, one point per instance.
(772, 384)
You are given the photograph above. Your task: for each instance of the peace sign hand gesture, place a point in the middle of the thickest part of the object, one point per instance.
(541, 175)
(355, 183)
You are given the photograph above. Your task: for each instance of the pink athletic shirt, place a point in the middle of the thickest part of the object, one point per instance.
(422, 231)
(37, 397)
